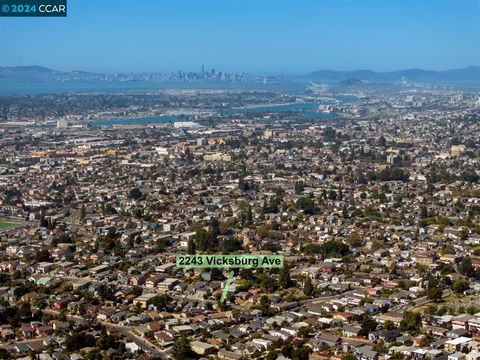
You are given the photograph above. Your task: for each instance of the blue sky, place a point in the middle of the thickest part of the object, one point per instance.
(254, 36)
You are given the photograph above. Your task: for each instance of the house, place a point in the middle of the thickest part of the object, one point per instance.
(45, 357)
(351, 331)
(62, 303)
(137, 280)
(456, 344)
(473, 355)
(263, 343)
(144, 300)
(384, 335)
(45, 267)
(167, 284)
(312, 272)
(183, 329)
(44, 330)
(153, 280)
(132, 347)
(372, 308)
(315, 345)
(436, 354)
(202, 348)
(229, 355)
(365, 352)
(394, 317)
(474, 326)
(27, 330)
(461, 321)
(99, 269)
(451, 258)
(105, 313)
(280, 334)
(457, 356)
(164, 338)
(456, 333)
(329, 339)
(165, 268)
(36, 346)
(80, 283)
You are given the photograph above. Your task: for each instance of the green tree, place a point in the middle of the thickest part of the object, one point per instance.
(42, 255)
(284, 278)
(366, 300)
(107, 292)
(411, 322)
(434, 294)
(301, 353)
(161, 245)
(161, 301)
(246, 274)
(368, 325)
(264, 305)
(333, 248)
(382, 141)
(330, 134)
(423, 212)
(306, 204)
(379, 347)
(460, 285)
(181, 349)
(83, 213)
(202, 239)
(267, 283)
(299, 187)
(188, 156)
(388, 325)
(106, 342)
(308, 287)
(214, 228)
(304, 331)
(272, 355)
(447, 269)
(466, 268)
(135, 194)
(287, 350)
(191, 247)
(77, 341)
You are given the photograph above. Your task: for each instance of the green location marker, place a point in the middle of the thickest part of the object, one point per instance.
(227, 286)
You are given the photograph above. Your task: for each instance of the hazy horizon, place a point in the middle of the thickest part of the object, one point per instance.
(272, 72)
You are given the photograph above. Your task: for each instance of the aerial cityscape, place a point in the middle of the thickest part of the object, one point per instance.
(192, 211)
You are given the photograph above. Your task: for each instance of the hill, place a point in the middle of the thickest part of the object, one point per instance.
(469, 74)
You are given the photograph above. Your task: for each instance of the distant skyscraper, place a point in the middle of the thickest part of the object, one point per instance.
(203, 71)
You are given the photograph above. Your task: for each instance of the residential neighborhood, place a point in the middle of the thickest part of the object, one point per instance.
(375, 211)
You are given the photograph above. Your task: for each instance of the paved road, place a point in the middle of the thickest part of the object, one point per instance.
(146, 346)
(74, 318)
(126, 331)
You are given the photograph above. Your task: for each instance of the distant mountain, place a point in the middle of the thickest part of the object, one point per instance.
(33, 68)
(469, 74)
(41, 74)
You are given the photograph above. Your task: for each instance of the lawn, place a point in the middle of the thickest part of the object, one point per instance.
(5, 225)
